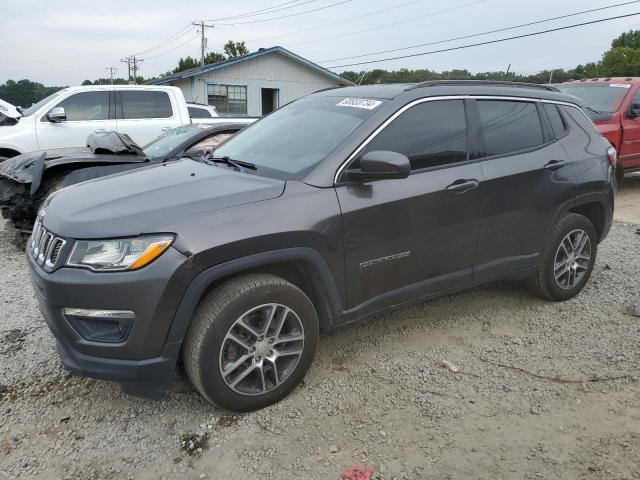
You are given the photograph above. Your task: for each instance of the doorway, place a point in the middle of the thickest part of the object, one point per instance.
(270, 100)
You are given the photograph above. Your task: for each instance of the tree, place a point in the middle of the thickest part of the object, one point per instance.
(186, 64)
(213, 57)
(235, 49)
(231, 49)
(630, 39)
(25, 93)
(621, 62)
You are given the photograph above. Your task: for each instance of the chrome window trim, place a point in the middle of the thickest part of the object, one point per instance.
(418, 101)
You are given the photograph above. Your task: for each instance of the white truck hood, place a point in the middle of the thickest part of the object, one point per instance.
(9, 110)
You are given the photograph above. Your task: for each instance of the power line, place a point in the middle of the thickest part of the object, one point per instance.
(481, 34)
(263, 11)
(180, 33)
(287, 16)
(489, 42)
(335, 23)
(432, 14)
(172, 49)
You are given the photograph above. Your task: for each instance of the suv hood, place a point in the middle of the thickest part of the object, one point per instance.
(152, 199)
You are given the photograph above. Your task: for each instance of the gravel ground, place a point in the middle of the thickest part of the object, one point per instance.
(543, 391)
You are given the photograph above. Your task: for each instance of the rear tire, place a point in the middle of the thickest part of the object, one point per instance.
(251, 342)
(567, 259)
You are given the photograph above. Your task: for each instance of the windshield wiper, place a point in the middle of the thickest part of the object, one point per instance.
(238, 164)
(594, 110)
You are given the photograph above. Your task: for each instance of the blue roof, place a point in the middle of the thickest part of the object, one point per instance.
(265, 51)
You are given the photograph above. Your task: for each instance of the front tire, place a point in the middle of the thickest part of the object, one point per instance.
(567, 259)
(251, 342)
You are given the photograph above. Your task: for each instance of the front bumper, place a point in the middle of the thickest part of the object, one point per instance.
(143, 362)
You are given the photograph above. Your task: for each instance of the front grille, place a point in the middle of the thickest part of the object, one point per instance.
(45, 246)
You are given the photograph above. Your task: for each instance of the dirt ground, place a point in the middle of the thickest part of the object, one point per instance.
(628, 201)
(543, 390)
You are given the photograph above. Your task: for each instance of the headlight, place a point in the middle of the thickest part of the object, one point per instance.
(118, 254)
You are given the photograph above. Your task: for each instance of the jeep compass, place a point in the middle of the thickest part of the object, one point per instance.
(335, 207)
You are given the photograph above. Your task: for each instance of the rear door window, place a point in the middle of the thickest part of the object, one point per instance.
(430, 134)
(145, 104)
(509, 126)
(86, 106)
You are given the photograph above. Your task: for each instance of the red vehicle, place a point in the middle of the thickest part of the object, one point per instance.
(614, 104)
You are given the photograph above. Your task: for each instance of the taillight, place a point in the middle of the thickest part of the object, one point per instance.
(613, 156)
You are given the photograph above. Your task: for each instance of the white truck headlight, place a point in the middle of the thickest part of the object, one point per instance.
(118, 254)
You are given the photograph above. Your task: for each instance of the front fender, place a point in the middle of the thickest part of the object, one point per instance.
(320, 278)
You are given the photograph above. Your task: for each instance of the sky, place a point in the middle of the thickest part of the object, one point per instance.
(63, 42)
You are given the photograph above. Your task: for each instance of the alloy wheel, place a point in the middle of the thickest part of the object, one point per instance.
(572, 259)
(261, 349)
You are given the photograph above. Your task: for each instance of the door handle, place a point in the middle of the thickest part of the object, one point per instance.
(462, 185)
(555, 165)
(100, 130)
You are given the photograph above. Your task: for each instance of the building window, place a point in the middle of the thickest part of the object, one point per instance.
(228, 99)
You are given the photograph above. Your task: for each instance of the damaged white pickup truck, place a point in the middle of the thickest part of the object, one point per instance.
(67, 117)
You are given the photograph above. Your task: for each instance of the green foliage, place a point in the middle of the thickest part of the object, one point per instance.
(414, 76)
(213, 57)
(630, 39)
(621, 62)
(235, 49)
(186, 63)
(25, 93)
(231, 50)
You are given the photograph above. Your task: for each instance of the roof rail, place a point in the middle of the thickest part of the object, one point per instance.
(497, 83)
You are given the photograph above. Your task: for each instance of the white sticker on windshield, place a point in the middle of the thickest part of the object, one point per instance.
(366, 103)
(620, 85)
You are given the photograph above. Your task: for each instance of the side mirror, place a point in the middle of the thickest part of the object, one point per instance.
(634, 110)
(194, 153)
(56, 115)
(381, 165)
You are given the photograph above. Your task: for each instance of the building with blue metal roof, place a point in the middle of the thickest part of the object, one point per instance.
(254, 84)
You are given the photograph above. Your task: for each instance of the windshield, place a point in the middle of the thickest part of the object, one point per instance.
(294, 139)
(36, 106)
(166, 143)
(603, 97)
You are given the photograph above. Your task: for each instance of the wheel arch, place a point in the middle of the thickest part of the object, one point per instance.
(9, 152)
(302, 266)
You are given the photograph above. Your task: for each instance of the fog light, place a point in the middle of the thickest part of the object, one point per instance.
(110, 326)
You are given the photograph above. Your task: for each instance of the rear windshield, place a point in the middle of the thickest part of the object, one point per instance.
(602, 97)
(291, 141)
(170, 140)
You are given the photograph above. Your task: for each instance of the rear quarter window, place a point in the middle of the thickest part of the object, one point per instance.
(509, 126)
(195, 112)
(555, 119)
(145, 104)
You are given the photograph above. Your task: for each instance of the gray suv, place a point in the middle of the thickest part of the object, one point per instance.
(335, 207)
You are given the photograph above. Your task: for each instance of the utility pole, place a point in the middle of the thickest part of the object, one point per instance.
(551, 77)
(127, 60)
(506, 75)
(135, 61)
(111, 70)
(203, 40)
